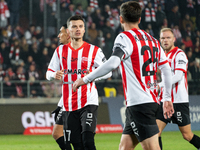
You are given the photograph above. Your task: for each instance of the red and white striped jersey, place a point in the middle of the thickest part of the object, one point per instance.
(178, 61)
(75, 64)
(143, 55)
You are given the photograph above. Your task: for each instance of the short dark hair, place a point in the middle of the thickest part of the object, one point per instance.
(75, 17)
(65, 26)
(131, 11)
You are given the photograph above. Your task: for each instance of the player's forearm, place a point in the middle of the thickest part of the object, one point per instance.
(104, 77)
(112, 63)
(177, 76)
(167, 82)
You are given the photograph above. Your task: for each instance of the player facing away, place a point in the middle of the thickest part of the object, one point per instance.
(57, 133)
(178, 62)
(139, 55)
(69, 63)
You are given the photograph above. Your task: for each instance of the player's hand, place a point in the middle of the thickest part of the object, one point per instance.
(59, 74)
(168, 109)
(56, 111)
(77, 84)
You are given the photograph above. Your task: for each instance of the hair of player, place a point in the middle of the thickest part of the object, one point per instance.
(167, 29)
(131, 11)
(75, 17)
(65, 26)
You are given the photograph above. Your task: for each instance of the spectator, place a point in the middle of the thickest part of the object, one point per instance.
(29, 62)
(177, 35)
(92, 34)
(187, 41)
(4, 50)
(191, 64)
(64, 12)
(24, 46)
(106, 12)
(188, 32)
(79, 11)
(4, 14)
(190, 8)
(34, 52)
(187, 22)
(174, 17)
(149, 16)
(51, 21)
(160, 16)
(21, 87)
(2, 73)
(14, 55)
(114, 19)
(9, 89)
(29, 33)
(44, 62)
(14, 7)
(35, 87)
(98, 18)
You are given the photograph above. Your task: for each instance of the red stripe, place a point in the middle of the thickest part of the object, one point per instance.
(85, 53)
(145, 56)
(50, 70)
(124, 80)
(74, 65)
(164, 62)
(181, 70)
(135, 59)
(65, 86)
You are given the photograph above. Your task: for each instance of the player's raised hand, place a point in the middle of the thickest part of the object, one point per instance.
(59, 74)
(77, 84)
(168, 109)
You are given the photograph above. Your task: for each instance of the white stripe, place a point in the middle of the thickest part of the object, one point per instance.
(69, 55)
(79, 76)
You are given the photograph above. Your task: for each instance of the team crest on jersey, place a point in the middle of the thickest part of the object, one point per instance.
(84, 59)
(74, 59)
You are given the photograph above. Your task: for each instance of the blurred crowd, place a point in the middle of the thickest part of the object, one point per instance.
(25, 54)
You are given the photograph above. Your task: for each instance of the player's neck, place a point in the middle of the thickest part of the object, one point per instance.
(77, 43)
(167, 51)
(129, 26)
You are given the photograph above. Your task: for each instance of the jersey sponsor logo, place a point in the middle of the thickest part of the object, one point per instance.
(135, 130)
(75, 71)
(152, 85)
(181, 62)
(84, 59)
(74, 59)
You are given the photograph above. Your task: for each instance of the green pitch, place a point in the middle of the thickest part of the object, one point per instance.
(171, 141)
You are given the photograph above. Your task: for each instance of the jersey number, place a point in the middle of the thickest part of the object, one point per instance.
(150, 60)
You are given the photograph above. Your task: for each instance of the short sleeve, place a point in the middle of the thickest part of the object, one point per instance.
(181, 62)
(100, 58)
(125, 44)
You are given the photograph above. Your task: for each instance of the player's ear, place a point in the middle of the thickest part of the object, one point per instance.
(121, 19)
(139, 20)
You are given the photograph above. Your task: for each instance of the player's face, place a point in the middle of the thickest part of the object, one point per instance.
(167, 40)
(63, 36)
(76, 29)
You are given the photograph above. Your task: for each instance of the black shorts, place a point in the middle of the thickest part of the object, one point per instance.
(59, 119)
(141, 121)
(79, 121)
(181, 115)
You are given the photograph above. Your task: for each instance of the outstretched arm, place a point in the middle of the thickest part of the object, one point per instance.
(168, 109)
(112, 63)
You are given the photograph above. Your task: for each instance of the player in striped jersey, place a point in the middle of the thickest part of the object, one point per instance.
(139, 55)
(179, 63)
(70, 62)
(57, 133)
